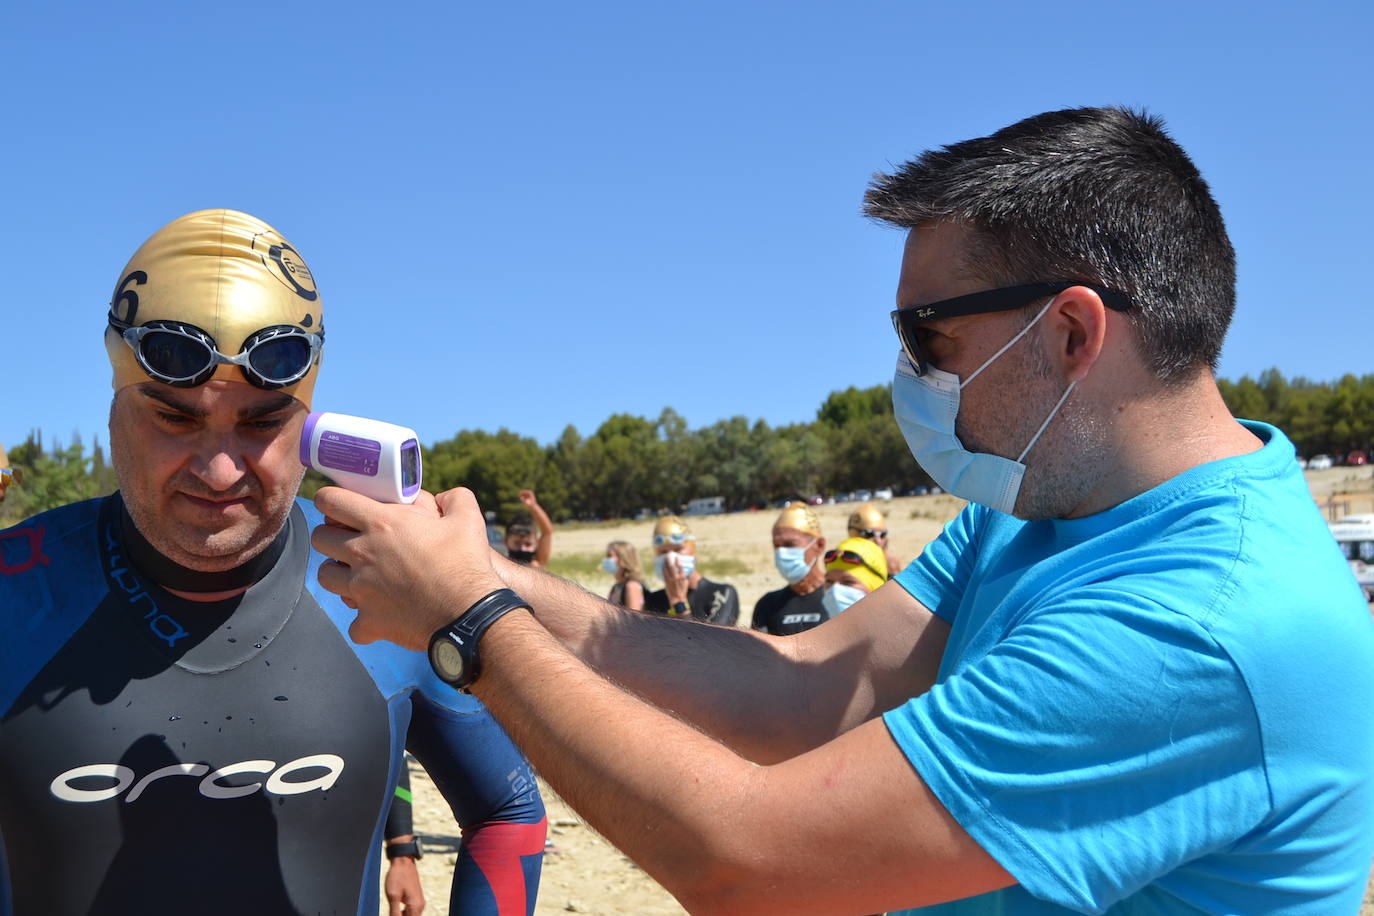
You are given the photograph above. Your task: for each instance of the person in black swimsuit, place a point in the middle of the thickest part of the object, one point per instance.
(686, 592)
(797, 549)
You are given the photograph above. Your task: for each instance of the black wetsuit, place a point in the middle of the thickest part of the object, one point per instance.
(159, 755)
(784, 612)
(714, 602)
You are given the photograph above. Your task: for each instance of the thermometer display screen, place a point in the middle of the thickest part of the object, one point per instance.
(410, 465)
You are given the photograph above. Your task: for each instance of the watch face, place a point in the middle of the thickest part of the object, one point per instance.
(446, 659)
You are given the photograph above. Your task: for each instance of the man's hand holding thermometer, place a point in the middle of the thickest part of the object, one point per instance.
(379, 460)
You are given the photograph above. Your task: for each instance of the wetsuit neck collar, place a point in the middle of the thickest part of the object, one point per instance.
(169, 574)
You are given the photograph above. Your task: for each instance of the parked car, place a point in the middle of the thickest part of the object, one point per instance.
(1319, 463)
(921, 490)
(863, 496)
(1356, 459)
(884, 493)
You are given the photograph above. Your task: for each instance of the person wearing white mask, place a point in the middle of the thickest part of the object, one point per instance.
(1132, 676)
(797, 549)
(686, 592)
(852, 570)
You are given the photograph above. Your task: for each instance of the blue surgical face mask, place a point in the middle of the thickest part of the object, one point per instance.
(791, 562)
(838, 598)
(926, 406)
(609, 566)
(685, 562)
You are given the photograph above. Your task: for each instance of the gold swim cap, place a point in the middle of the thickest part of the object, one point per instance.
(866, 518)
(671, 530)
(872, 571)
(8, 476)
(227, 273)
(799, 516)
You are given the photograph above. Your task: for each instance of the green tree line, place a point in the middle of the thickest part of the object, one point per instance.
(631, 463)
(1320, 417)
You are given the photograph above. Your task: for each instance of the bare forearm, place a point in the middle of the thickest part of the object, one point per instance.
(662, 801)
(743, 688)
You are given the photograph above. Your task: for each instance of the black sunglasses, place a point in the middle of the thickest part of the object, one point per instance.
(853, 558)
(908, 322)
(184, 356)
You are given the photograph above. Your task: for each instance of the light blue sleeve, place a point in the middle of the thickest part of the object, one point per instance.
(940, 575)
(1103, 742)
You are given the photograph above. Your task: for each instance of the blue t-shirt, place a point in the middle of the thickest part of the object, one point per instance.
(1167, 707)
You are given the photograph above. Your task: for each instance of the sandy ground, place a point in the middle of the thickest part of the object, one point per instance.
(585, 874)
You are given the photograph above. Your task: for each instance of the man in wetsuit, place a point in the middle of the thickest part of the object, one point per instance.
(797, 550)
(185, 726)
(686, 592)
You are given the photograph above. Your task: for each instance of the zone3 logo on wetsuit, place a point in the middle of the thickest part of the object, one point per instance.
(165, 756)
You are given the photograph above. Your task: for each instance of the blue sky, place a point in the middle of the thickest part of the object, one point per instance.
(535, 214)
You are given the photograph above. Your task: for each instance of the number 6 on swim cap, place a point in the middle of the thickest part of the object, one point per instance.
(376, 459)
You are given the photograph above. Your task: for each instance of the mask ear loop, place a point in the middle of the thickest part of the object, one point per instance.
(1020, 459)
(1011, 343)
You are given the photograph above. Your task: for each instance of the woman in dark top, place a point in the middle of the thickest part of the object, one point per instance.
(622, 561)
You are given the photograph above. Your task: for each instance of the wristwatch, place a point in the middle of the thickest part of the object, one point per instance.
(679, 608)
(413, 849)
(453, 649)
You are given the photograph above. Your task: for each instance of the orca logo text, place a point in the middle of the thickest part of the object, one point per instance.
(210, 786)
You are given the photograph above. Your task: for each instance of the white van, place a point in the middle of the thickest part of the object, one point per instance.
(1355, 534)
(706, 505)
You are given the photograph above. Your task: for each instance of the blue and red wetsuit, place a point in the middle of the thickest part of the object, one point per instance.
(159, 755)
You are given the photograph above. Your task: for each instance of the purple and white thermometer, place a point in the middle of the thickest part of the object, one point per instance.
(376, 459)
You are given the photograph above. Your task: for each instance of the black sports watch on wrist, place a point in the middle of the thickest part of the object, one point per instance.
(412, 849)
(680, 608)
(453, 649)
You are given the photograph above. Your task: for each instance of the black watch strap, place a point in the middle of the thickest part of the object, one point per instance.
(465, 632)
(412, 849)
(680, 608)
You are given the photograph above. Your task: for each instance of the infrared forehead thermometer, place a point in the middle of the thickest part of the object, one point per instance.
(376, 459)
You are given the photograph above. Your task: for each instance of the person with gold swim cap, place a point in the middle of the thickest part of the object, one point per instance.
(797, 549)
(868, 522)
(8, 476)
(853, 569)
(686, 592)
(172, 639)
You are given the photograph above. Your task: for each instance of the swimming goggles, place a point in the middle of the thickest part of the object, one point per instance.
(853, 559)
(677, 537)
(184, 356)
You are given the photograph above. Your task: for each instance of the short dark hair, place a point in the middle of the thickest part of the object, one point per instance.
(1101, 195)
(520, 524)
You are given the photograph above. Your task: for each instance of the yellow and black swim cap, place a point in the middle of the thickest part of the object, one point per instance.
(227, 273)
(861, 557)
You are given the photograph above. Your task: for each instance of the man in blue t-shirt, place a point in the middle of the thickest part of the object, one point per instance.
(1132, 676)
